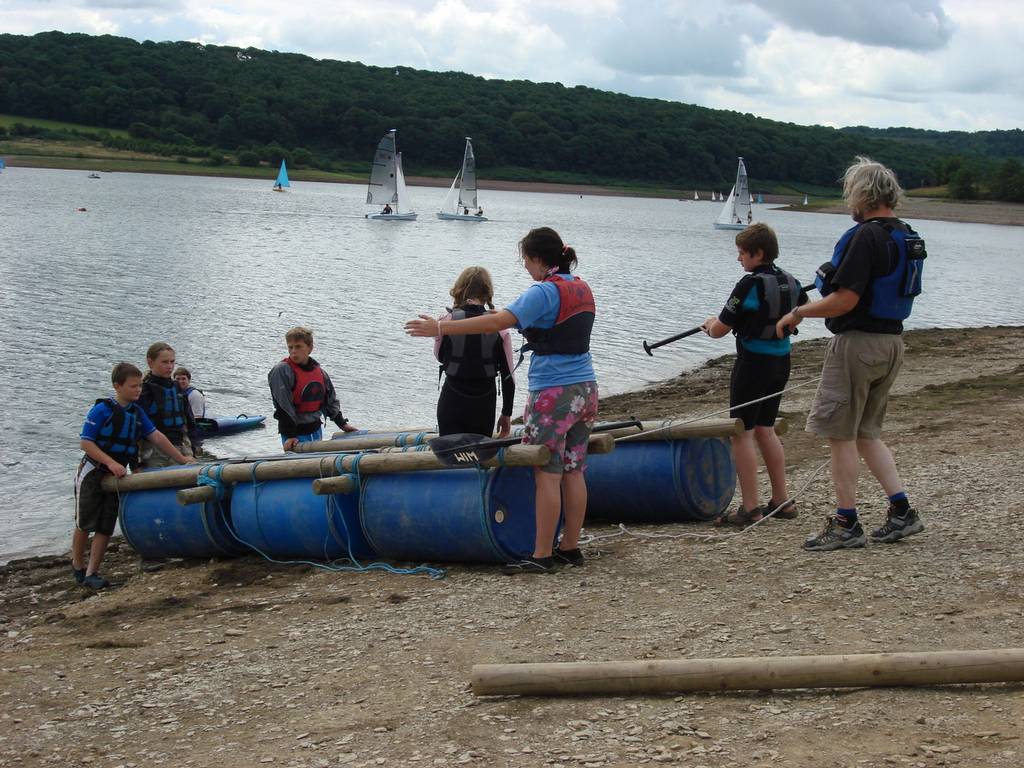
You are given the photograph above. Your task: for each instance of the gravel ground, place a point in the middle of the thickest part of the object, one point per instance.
(241, 663)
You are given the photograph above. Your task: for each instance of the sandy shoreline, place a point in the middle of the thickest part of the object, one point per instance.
(237, 663)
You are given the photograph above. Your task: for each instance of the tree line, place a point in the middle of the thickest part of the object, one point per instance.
(181, 98)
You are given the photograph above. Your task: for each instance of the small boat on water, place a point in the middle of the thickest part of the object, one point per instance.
(805, 199)
(282, 179)
(3, 164)
(218, 426)
(94, 176)
(457, 207)
(387, 183)
(736, 211)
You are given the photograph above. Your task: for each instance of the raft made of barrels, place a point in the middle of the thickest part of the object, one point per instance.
(156, 526)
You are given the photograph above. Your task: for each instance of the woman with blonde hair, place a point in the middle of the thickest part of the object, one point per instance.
(473, 363)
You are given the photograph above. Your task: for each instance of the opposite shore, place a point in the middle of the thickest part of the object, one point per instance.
(940, 209)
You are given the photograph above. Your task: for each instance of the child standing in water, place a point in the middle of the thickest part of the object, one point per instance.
(471, 363)
(556, 315)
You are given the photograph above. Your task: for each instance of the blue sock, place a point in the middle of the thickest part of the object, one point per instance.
(900, 502)
(847, 517)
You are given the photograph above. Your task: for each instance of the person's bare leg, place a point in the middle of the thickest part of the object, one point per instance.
(881, 463)
(96, 553)
(745, 457)
(845, 467)
(774, 456)
(548, 508)
(574, 501)
(79, 543)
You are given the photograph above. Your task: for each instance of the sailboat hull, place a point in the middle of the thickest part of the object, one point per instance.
(393, 216)
(730, 226)
(459, 217)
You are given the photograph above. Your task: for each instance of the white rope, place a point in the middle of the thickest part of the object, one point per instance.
(712, 537)
(670, 424)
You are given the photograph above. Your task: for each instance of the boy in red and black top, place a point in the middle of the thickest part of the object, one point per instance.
(302, 391)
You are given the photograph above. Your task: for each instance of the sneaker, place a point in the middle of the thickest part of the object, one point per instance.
(571, 557)
(530, 565)
(898, 526)
(95, 582)
(788, 511)
(79, 574)
(836, 536)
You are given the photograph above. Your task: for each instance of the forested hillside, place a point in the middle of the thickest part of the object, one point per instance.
(175, 97)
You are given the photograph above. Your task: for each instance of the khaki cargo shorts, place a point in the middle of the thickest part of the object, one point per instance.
(858, 371)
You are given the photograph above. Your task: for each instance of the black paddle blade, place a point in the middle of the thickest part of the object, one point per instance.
(464, 449)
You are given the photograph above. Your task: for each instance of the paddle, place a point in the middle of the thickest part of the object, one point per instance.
(670, 339)
(466, 448)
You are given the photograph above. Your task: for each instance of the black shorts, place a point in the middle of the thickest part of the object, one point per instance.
(95, 509)
(753, 377)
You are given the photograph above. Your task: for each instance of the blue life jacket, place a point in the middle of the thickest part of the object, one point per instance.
(165, 407)
(119, 435)
(892, 294)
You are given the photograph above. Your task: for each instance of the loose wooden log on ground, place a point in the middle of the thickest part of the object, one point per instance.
(753, 673)
(514, 456)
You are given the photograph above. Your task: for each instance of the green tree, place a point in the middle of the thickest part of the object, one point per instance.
(962, 185)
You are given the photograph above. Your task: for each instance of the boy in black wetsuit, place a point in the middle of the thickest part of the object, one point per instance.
(759, 299)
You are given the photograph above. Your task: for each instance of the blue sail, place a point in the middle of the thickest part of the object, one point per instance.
(3, 163)
(282, 178)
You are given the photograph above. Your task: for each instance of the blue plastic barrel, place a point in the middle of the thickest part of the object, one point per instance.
(661, 481)
(285, 519)
(156, 525)
(454, 515)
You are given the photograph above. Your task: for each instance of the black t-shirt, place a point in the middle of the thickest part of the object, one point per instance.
(868, 256)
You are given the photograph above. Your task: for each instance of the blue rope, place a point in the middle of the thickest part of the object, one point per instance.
(207, 477)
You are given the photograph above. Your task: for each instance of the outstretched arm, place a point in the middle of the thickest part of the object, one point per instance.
(833, 305)
(492, 322)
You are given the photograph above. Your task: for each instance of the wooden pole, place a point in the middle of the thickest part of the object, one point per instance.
(760, 673)
(515, 456)
(362, 443)
(320, 466)
(204, 493)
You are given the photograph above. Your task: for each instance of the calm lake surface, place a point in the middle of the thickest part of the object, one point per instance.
(220, 268)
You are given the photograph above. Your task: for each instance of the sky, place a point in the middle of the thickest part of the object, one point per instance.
(937, 64)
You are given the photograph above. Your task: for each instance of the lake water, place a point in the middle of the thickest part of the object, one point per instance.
(220, 268)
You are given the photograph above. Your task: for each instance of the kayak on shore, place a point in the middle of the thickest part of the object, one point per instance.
(217, 426)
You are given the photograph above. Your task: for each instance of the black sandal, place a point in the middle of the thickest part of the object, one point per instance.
(740, 517)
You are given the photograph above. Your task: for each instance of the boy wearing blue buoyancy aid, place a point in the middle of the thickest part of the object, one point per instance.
(556, 315)
(166, 406)
(110, 440)
(868, 289)
(758, 301)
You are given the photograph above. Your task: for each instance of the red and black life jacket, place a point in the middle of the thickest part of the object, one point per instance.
(571, 332)
(310, 389)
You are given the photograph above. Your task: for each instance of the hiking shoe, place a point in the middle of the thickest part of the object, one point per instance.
(530, 565)
(788, 511)
(95, 582)
(571, 557)
(898, 527)
(836, 536)
(79, 574)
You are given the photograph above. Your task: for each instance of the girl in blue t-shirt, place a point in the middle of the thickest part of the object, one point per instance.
(556, 315)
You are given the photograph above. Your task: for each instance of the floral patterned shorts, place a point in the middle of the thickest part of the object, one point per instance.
(561, 418)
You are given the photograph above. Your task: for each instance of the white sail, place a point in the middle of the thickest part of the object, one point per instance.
(805, 199)
(383, 188)
(402, 203)
(467, 190)
(736, 212)
(695, 195)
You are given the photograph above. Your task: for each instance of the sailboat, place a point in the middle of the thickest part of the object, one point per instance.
(466, 200)
(736, 211)
(387, 183)
(282, 179)
(3, 164)
(760, 198)
(695, 195)
(805, 199)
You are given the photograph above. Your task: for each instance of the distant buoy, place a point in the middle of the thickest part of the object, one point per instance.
(80, 210)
